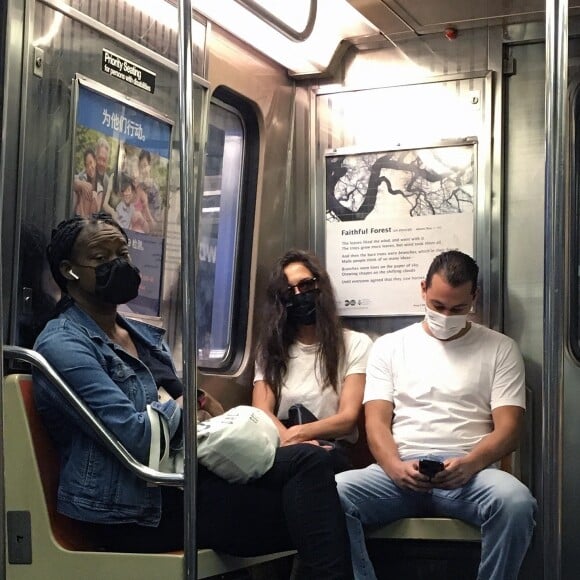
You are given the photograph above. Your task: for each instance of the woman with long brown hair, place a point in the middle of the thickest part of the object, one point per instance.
(310, 372)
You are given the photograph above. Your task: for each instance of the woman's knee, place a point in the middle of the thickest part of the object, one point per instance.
(312, 457)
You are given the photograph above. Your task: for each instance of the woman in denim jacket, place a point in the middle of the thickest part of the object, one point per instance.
(116, 366)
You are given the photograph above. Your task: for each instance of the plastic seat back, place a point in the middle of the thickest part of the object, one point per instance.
(70, 534)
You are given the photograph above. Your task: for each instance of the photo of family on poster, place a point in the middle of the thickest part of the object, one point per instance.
(120, 163)
(127, 188)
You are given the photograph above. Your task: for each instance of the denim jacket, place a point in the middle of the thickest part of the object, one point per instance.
(117, 387)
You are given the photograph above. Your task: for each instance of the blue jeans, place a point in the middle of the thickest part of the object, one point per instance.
(494, 500)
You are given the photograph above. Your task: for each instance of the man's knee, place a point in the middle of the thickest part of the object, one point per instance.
(517, 503)
(523, 506)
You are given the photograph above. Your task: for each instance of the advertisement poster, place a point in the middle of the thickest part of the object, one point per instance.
(121, 158)
(388, 214)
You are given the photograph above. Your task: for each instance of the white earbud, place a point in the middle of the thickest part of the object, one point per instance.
(74, 276)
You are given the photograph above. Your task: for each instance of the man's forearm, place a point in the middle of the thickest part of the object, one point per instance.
(383, 447)
(493, 447)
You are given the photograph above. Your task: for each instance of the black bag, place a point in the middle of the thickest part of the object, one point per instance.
(298, 414)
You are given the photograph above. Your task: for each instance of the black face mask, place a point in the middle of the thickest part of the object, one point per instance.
(117, 282)
(302, 308)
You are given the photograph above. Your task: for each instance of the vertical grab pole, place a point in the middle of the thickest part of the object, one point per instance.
(554, 276)
(188, 200)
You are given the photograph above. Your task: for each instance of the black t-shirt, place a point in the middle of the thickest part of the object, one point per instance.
(163, 373)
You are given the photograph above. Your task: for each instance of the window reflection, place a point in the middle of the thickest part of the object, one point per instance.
(219, 235)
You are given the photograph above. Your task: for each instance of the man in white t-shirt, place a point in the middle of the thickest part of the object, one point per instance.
(446, 390)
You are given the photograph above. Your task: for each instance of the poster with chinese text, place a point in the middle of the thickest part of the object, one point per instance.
(121, 155)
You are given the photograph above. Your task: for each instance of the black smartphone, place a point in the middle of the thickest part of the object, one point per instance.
(430, 466)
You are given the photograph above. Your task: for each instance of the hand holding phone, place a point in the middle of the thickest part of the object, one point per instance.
(430, 465)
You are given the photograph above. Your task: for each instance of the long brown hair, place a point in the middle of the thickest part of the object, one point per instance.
(279, 333)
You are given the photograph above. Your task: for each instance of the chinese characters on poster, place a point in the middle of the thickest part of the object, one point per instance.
(120, 166)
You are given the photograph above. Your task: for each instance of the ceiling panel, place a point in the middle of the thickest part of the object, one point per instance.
(379, 14)
(396, 17)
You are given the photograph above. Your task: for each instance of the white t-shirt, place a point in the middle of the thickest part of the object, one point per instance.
(304, 378)
(125, 214)
(443, 392)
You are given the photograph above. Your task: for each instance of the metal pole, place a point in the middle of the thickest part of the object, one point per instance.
(188, 258)
(554, 276)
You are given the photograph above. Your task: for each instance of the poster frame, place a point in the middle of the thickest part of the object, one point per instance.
(414, 145)
(80, 80)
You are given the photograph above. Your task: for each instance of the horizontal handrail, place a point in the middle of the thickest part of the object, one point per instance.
(110, 442)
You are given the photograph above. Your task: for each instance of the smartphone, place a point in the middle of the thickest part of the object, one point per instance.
(430, 466)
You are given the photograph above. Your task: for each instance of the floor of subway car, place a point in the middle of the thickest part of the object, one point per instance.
(425, 560)
(393, 560)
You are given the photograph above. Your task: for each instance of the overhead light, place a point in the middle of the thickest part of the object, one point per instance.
(336, 20)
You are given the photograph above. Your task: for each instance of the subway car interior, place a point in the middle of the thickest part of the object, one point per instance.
(261, 126)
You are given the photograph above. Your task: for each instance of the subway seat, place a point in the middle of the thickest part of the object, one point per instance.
(440, 529)
(61, 548)
(31, 476)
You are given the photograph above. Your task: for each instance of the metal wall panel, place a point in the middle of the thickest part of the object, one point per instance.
(138, 26)
(414, 95)
(75, 45)
(570, 508)
(13, 39)
(524, 254)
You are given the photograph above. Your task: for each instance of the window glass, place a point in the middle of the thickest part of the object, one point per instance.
(219, 229)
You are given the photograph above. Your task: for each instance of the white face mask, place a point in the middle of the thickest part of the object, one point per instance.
(444, 327)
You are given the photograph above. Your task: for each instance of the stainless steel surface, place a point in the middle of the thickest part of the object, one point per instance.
(399, 19)
(495, 116)
(435, 75)
(131, 26)
(78, 16)
(570, 500)
(554, 276)
(523, 233)
(110, 442)
(189, 220)
(19, 201)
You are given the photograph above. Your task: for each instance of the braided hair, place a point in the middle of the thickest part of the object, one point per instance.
(63, 239)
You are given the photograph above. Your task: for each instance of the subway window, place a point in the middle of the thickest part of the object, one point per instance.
(223, 268)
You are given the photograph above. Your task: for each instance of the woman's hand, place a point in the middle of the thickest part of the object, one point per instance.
(295, 434)
(309, 442)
